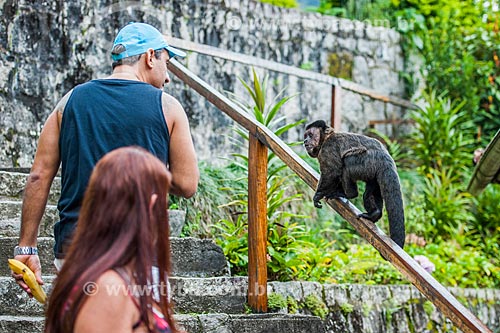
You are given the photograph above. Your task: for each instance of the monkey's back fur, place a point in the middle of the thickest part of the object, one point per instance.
(346, 158)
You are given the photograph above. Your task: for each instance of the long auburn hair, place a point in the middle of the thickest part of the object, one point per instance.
(116, 226)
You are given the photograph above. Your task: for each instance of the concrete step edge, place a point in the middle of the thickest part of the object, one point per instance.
(190, 295)
(10, 219)
(12, 185)
(201, 323)
(191, 257)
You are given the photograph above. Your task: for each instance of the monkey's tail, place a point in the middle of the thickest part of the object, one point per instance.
(390, 189)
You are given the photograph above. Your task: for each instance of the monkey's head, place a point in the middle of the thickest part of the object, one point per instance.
(314, 137)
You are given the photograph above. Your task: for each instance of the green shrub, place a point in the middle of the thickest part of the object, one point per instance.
(459, 42)
(484, 228)
(231, 235)
(449, 207)
(373, 10)
(276, 302)
(362, 264)
(282, 3)
(485, 210)
(204, 207)
(304, 253)
(442, 137)
(283, 243)
(293, 306)
(458, 266)
(316, 306)
(429, 308)
(346, 308)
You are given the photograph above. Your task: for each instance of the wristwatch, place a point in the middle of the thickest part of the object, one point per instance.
(25, 250)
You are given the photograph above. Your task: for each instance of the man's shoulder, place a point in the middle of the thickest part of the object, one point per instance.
(170, 102)
(83, 87)
(168, 97)
(61, 105)
(86, 84)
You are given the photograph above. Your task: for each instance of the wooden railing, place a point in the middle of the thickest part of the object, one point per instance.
(338, 85)
(261, 138)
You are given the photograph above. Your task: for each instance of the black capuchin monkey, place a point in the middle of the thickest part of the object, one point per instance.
(344, 159)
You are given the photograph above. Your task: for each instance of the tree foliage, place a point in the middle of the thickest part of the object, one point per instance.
(459, 42)
(282, 3)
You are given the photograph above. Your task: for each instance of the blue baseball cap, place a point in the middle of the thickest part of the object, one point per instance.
(137, 38)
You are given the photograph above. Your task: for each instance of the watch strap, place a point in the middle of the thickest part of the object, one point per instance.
(25, 250)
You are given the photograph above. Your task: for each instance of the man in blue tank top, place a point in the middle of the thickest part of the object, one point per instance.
(127, 108)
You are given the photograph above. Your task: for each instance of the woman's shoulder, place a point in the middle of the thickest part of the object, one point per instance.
(107, 304)
(110, 277)
(113, 283)
(109, 286)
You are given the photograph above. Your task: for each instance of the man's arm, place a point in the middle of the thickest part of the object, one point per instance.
(183, 163)
(40, 179)
(36, 192)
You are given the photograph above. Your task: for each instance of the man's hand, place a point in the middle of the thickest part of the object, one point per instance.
(33, 262)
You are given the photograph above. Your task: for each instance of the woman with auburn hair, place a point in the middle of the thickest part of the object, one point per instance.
(106, 283)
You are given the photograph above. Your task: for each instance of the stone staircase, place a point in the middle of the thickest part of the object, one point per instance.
(207, 299)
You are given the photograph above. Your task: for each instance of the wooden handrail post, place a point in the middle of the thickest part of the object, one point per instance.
(257, 225)
(336, 116)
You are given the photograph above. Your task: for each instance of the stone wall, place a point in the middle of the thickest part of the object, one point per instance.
(389, 309)
(48, 47)
(343, 308)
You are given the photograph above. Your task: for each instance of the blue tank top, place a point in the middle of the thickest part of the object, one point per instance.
(102, 115)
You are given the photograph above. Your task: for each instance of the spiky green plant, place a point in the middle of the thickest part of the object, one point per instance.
(283, 234)
(443, 135)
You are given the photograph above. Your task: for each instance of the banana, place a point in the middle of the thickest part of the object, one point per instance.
(29, 277)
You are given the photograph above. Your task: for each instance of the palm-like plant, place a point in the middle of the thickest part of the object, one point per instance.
(266, 114)
(443, 135)
(284, 235)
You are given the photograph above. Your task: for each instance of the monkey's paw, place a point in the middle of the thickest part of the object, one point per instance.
(371, 217)
(317, 197)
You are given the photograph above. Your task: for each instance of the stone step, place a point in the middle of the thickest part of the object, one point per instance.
(12, 185)
(190, 295)
(251, 323)
(21, 324)
(201, 323)
(45, 251)
(191, 257)
(10, 219)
